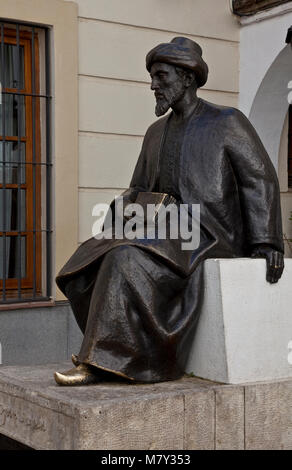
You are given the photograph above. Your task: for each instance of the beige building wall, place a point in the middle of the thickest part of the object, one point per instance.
(102, 103)
(116, 104)
(94, 161)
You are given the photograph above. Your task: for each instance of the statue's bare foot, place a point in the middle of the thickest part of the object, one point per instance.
(80, 375)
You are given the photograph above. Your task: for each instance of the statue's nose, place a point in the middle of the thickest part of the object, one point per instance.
(154, 84)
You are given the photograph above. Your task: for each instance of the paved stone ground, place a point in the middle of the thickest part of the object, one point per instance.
(190, 413)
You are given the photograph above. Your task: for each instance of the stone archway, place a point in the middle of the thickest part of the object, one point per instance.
(268, 114)
(270, 105)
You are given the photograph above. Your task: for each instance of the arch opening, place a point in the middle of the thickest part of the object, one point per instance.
(269, 115)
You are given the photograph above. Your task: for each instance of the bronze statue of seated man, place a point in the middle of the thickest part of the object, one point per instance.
(138, 301)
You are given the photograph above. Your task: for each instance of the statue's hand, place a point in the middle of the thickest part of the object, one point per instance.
(274, 258)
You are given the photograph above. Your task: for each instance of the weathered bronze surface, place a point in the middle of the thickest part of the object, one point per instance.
(137, 302)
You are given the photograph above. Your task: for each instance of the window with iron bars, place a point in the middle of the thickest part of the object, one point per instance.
(25, 163)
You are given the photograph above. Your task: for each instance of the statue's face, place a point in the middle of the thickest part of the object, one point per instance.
(168, 86)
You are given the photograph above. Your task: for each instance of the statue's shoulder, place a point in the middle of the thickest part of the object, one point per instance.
(225, 114)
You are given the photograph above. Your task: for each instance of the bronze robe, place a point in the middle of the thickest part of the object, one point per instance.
(137, 302)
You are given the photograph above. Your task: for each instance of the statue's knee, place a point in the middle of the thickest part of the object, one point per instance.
(122, 254)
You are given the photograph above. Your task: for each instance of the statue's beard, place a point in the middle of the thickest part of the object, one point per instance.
(168, 98)
(162, 106)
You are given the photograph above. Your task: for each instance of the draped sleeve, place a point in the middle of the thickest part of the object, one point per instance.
(257, 182)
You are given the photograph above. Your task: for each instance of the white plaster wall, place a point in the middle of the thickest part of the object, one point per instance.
(265, 70)
(260, 44)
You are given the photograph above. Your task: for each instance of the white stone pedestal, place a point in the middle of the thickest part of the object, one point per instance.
(245, 327)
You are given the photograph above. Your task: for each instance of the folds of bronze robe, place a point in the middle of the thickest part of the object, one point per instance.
(137, 301)
(138, 316)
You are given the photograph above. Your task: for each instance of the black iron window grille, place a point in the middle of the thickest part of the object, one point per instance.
(25, 163)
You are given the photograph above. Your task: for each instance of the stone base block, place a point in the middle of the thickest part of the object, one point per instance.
(187, 414)
(245, 329)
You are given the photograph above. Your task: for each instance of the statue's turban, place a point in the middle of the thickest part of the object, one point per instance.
(182, 52)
